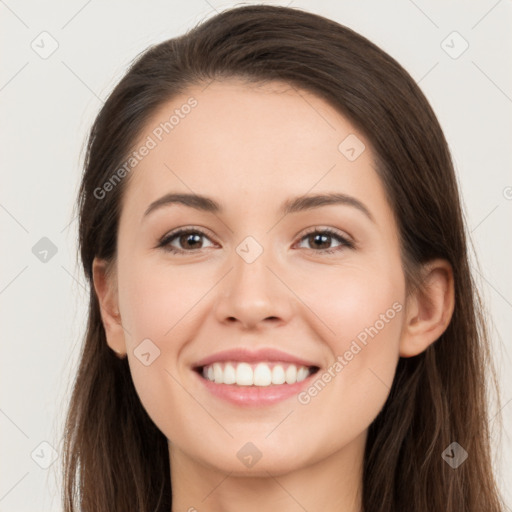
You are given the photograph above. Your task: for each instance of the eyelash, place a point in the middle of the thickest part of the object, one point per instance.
(165, 241)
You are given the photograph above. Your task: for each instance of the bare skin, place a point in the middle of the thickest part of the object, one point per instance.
(251, 148)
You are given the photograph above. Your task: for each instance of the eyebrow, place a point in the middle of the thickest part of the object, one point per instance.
(293, 205)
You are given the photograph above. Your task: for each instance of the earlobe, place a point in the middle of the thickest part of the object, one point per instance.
(429, 309)
(105, 285)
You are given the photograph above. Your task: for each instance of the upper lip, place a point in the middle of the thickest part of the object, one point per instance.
(252, 356)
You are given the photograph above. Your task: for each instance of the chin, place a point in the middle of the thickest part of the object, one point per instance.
(250, 461)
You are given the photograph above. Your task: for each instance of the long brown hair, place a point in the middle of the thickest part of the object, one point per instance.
(115, 458)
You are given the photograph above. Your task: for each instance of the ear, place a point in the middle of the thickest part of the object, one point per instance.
(105, 285)
(429, 309)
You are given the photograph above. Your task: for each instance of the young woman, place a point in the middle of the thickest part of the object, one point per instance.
(282, 315)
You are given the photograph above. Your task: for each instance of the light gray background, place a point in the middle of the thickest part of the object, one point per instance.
(48, 104)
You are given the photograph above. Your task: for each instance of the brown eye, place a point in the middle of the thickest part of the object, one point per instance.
(321, 241)
(187, 240)
(190, 239)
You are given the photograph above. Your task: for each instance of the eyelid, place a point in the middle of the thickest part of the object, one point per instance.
(323, 229)
(185, 229)
(347, 241)
(200, 229)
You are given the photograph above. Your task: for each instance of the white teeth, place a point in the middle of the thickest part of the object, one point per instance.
(302, 373)
(217, 373)
(291, 374)
(243, 374)
(229, 374)
(262, 375)
(278, 375)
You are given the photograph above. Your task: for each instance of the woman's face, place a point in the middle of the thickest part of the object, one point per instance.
(253, 275)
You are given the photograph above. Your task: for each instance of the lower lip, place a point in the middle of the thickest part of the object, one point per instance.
(255, 395)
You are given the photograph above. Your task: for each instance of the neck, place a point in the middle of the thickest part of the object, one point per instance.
(332, 484)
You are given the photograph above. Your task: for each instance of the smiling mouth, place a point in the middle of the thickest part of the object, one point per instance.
(260, 374)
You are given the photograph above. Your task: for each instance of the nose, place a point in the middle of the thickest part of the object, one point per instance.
(254, 294)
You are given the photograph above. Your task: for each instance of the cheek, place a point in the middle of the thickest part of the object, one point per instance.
(157, 302)
(356, 303)
(364, 313)
(158, 306)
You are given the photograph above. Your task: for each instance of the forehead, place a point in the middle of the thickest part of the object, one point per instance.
(236, 140)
